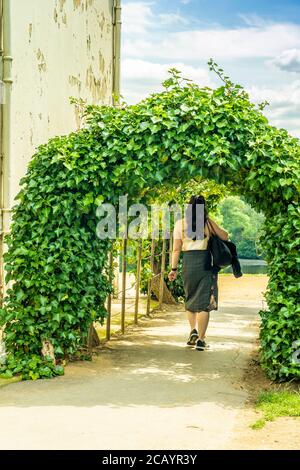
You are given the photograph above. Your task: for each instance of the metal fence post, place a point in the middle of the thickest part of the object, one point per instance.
(116, 276)
(170, 249)
(149, 281)
(162, 273)
(124, 252)
(108, 320)
(138, 280)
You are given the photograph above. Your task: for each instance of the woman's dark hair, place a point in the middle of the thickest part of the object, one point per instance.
(191, 217)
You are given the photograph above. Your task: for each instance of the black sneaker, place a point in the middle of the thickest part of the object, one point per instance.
(193, 338)
(200, 345)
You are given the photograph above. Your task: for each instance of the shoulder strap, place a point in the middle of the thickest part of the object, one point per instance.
(210, 227)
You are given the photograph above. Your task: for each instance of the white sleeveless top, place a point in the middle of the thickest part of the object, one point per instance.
(187, 243)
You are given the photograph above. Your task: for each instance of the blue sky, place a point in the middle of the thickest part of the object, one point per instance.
(256, 42)
(227, 12)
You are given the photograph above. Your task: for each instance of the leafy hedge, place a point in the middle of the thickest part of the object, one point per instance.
(59, 266)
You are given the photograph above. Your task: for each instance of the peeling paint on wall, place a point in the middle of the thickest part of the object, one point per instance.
(31, 128)
(61, 4)
(101, 21)
(76, 3)
(91, 82)
(30, 31)
(55, 15)
(59, 14)
(97, 87)
(101, 62)
(77, 117)
(70, 55)
(41, 61)
(88, 3)
(74, 81)
(31, 136)
(88, 42)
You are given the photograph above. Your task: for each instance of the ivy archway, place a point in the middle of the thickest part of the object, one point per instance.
(58, 264)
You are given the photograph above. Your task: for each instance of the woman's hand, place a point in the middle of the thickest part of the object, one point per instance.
(172, 275)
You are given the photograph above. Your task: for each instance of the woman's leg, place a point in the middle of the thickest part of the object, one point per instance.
(202, 320)
(192, 318)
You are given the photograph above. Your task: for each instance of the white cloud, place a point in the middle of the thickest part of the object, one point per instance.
(145, 34)
(254, 20)
(284, 105)
(247, 42)
(153, 43)
(142, 77)
(288, 60)
(289, 93)
(172, 18)
(137, 17)
(142, 69)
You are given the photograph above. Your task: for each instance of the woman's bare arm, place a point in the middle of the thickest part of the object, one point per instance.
(218, 230)
(177, 246)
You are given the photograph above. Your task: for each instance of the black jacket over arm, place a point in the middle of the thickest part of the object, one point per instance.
(235, 264)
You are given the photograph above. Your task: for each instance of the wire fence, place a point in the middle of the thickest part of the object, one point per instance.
(121, 258)
(118, 305)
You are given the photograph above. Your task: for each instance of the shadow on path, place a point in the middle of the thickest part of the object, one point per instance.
(152, 366)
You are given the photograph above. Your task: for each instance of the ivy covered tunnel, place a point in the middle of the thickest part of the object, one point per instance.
(59, 266)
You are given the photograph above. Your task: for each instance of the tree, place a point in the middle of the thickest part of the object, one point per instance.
(243, 224)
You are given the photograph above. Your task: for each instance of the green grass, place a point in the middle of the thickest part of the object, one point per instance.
(276, 404)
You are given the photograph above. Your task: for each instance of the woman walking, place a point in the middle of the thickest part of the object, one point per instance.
(199, 279)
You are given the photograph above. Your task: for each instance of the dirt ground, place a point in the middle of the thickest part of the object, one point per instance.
(146, 389)
(282, 433)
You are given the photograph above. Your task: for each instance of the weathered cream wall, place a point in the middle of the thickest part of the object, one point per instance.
(60, 48)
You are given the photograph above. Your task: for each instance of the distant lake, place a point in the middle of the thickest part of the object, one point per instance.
(250, 266)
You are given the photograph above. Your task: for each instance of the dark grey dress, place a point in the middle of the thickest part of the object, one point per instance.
(200, 283)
